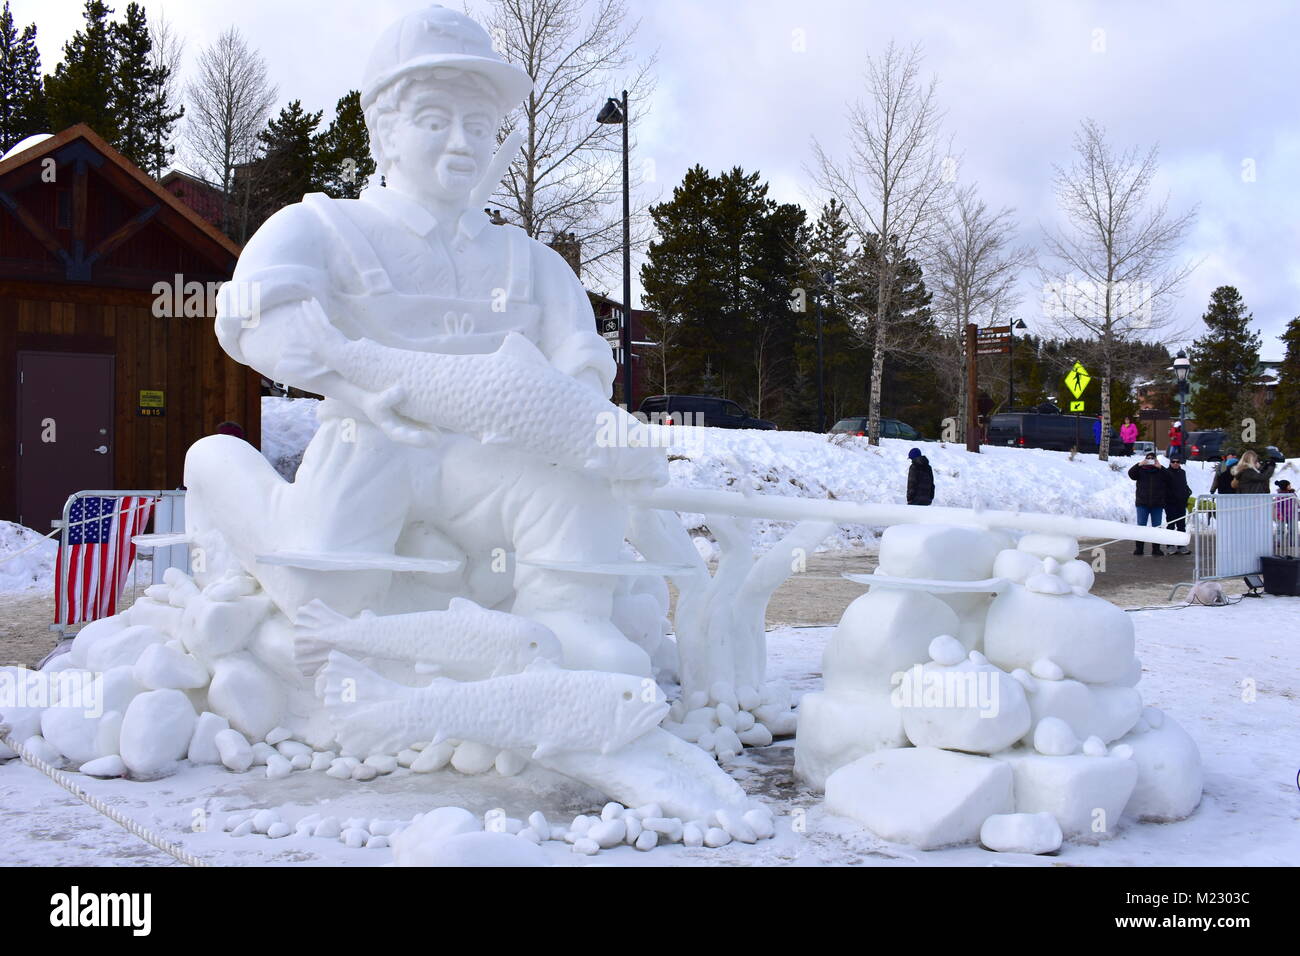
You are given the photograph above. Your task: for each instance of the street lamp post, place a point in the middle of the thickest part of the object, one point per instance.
(1182, 368)
(615, 112)
(1011, 364)
(828, 278)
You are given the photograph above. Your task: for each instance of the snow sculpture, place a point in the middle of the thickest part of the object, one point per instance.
(930, 740)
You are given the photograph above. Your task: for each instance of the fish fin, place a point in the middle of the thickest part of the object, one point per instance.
(493, 438)
(521, 349)
(317, 615)
(438, 738)
(544, 749)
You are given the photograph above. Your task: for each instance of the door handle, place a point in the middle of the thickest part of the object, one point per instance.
(101, 450)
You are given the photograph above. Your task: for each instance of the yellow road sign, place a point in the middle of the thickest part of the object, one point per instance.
(1077, 379)
(1076, 406)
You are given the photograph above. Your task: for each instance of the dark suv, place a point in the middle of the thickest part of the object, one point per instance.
(1210, 444)
(698, 410)
(1038, 430)
(889, 428)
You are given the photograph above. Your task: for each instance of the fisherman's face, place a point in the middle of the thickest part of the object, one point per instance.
(443, 138)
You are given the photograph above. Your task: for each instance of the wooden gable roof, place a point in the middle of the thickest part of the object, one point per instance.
(73, 210)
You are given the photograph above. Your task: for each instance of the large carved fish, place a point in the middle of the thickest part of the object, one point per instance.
(546, 709)
(465, 642)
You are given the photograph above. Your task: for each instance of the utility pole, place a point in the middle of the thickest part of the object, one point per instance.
(972, 392)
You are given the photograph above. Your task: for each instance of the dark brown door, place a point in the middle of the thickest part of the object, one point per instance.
(65, 431)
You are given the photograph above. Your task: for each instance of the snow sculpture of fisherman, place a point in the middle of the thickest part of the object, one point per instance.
(466, 385)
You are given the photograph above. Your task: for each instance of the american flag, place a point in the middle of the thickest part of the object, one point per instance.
(92, 569)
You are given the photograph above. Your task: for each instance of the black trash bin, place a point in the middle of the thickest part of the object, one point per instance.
(1281, 576)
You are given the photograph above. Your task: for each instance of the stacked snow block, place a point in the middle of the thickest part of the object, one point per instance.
(953, 716)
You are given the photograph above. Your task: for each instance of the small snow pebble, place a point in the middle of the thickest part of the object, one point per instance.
(278, 830)
(975, 657)
(356, 823)
(320, 761)
(612, 811)
(756, 736)
(377, 842)
(354, 838)
(1025, 679)
(648, 840)
(760, 821)
(244, 829)
(235, 819)
(537, 823)
(717, 837)
(235, 752)
(339, 770)
(303, 829)
(329, 828)
(748, 697)
(677, 710)
(692, 835)
(721, 692)
(277, 767)
(419, 745)
(1141, 727)
(706, 717)
(261, 751)
(669, 827)
(1051, 566)
(688, 732)
(947, 650)
(1053, 737)
(1021, 833)
(1154, 717)
(1047, 669)
(585, 846)
(697, 700)
(633, 824)
(301, 762)
(649, 810)
(581, 824)
(608, 833)
(384, 827)
(529, 834)
(1094, 746)
(407, 757)
(726, 743)
(706, 742)
(726, 716)
(105, 767)
(1122, 751)
(434, 758)
(277, 735)
(364, 772)
(292, 748)
(735, 825)
(783, 725)
(263, 819)
(383, 763)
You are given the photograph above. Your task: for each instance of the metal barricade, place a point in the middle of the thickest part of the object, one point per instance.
(1231, 533)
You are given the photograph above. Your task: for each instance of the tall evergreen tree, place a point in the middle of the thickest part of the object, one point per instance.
(1225, 361)
(133, 46)
(344, 150)
(1286, 400)
(81, 89)
(22, 96)
(288, 168)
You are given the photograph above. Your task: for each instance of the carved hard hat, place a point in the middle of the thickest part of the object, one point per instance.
(437, 36)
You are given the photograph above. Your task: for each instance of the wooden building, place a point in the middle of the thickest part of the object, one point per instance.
(108, 360)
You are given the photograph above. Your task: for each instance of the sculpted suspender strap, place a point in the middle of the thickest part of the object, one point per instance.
(374, 277)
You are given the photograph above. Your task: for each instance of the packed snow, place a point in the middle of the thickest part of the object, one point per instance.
(26, 559)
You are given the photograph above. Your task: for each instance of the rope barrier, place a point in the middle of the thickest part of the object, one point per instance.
(66, 782)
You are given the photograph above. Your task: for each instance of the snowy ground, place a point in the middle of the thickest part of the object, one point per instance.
(1195, 661)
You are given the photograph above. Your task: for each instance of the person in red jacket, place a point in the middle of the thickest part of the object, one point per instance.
(1176, 441)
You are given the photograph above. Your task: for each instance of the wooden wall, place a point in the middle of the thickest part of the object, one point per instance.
(179, 356)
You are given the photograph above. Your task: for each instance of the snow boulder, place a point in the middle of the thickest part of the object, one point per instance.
(123, 647)
(414, 845)
(91, 634)
(938, 552)
(1108, 712)
(1085, 794)
(247, 695)
(970, 706)
(1021, 833)
(881, 633)
(156, 732)
(1169, 776)
(1088, 637)
(472, 849)
(836, 729)
(921, 796)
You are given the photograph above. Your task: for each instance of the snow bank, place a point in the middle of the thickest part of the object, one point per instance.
(287, 427)
(30, 571)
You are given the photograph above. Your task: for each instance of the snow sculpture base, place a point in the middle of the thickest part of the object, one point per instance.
(945, 709)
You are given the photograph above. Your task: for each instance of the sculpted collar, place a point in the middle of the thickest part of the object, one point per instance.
(416, 217)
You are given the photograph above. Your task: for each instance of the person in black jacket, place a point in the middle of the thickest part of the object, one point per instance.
(1150, 499)
(1222, 484)
(920, 479)
(1176, 494)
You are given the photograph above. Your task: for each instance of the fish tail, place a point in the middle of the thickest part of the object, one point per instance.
(365, 709)
(316, 615)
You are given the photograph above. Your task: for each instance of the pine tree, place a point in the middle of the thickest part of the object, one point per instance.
(22, 97)
(1224, 361)
(1286, 400)
(344, 150)
(288, 169)
(132, 48)
(81, 90)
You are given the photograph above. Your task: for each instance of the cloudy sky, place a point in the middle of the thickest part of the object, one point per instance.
(750, 82)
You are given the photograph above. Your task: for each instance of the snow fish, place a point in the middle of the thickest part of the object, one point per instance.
(546, 709)
(465, 642)
(511, 396)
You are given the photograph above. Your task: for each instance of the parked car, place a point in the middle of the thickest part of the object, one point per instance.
(1141, 448)
(1274, 453)
(889, 428)
(1037, 430)
(699, 410)
(1205, 444)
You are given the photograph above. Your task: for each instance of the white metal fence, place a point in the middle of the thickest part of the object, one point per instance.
(1231, 533)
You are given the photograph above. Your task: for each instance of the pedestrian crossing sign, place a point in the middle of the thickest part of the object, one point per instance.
(1076, 380)
(1076, 406)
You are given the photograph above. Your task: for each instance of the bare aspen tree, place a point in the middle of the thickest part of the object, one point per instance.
(229, 102)
(1115, 274)
(895, 186)
(973, 272)
(569, 175)
(168, 48)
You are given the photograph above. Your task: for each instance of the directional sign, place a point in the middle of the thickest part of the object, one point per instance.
(1077, 379)
(1076, 406)
(993, 350)
(607, 324)
(994, 332)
